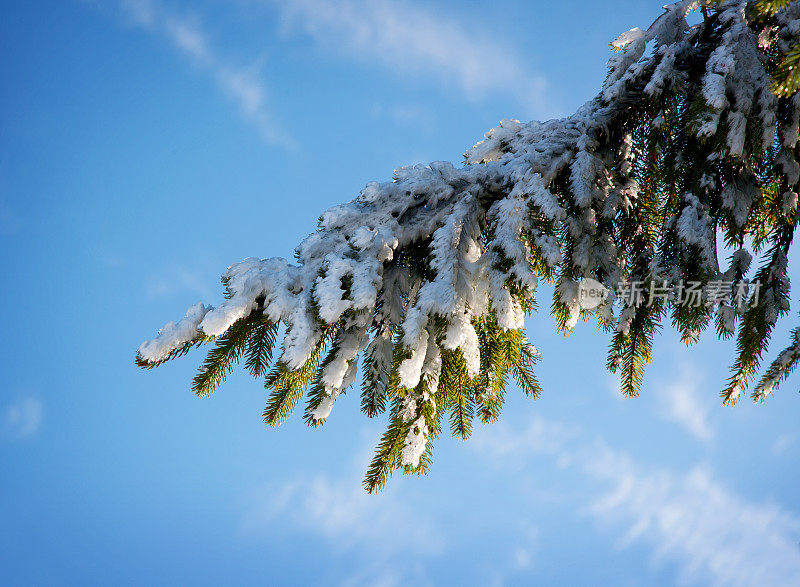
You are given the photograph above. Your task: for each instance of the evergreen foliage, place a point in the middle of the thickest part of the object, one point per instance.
(689, 154)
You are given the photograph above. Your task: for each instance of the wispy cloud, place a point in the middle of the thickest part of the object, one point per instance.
(409, 37)
(679, 401)
(782, 444)
(404, 36)
(22, 418)
(713, 535)
(378, 528)
(341, 511)
(187, 36)
(525, 552)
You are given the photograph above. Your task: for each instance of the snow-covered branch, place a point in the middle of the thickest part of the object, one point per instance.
(430, 275)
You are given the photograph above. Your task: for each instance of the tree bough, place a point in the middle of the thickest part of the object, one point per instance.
(427, 278)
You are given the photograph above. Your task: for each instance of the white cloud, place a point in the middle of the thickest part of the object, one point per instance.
(342, 512)
(390, 540)
(404, 37)
(713, 535)
(524, 552)
(680, 402)
(782, 443)
(539, 438)
(23, 418)
(409, 37)
(241, 85)
(375, 575)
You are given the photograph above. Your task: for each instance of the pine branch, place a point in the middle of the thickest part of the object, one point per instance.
(388, 451)
(173, 354)
(259, 350)
(288, 385)
(226, 353)
(631, 351)
(459, 394)
(685, 152)
(375, 379)
(522, 369)
(756, 325)
(780, 369)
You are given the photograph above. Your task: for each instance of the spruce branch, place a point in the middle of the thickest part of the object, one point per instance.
(226, 353)
(688, 154)
(288, 385)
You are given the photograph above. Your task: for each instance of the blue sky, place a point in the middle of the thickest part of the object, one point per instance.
(145, 146)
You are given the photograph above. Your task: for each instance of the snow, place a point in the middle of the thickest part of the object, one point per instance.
(714, 84)
(665, 71)
(415, 443)
(410, 370)
(173, 336)
(789, 204)
(789, 166)
(625, 319)
(737, 122)
(323, 410)
(461, 335)
(694, 227)
(628, 37)
(727, 316)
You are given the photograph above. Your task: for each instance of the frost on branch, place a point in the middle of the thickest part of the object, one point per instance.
(686, 157)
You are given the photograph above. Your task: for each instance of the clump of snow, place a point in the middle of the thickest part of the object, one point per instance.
(789, 204)
(415, 443)
(410, 370)
(174, 335)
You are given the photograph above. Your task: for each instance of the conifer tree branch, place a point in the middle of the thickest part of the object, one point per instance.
(688, 155)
